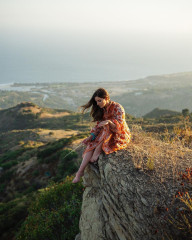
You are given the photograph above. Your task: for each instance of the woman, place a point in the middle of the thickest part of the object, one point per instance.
(111, 132)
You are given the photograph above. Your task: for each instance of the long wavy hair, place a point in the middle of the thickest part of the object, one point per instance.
(96, 112)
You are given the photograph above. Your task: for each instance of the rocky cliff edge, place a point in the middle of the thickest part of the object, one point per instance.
(127, 193)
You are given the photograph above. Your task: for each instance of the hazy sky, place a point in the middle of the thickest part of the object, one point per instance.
(128, 34)
(147, 16)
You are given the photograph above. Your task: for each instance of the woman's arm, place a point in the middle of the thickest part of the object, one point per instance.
(95, 130)
(118, 118)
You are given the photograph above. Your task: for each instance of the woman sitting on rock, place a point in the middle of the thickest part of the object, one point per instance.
(111, 132)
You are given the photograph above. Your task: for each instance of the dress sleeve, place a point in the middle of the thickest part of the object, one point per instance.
(96, 129)
(118, 118)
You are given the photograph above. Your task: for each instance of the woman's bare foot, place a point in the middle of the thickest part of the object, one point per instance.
(77, 177)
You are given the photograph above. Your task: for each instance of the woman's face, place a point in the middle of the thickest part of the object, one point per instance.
(101, 102)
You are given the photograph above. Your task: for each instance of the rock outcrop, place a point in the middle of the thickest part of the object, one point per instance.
(122, 201)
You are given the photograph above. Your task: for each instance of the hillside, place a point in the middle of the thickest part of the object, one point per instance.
(32, 158)
(157, 113)
(28, 115)
(26, 130)
(34, 153)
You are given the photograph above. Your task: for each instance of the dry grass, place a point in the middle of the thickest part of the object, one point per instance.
(163, 160)
(52, 135)
(54, 115)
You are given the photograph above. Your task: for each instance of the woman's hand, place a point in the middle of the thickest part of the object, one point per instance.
(103, 123)
(86, 140)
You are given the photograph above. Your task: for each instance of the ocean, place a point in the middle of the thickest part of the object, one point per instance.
(40, 60)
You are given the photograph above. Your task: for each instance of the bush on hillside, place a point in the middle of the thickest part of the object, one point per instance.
(51, 148)
(185, 112)
(66, 166)
(12, 214)
(11, 155)
(9, 164)
(7, 175)
(55, 213)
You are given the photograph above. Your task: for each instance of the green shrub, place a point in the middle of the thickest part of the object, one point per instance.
(6, 176)
(9, 164)
(11, 155)
(52, 148)
(66, 164)
(2, 187)
(27, 155)
(185, 112)
(31, 188)
(35, 173)
(52, 151)
(12, 214)
(51, 158)
(55, 213)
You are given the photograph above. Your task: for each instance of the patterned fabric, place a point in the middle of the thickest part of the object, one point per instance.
(114, 138)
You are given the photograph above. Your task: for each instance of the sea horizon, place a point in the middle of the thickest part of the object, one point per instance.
(10, 86)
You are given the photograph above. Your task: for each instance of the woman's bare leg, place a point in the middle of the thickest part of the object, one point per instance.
(84, 163)
(96, 152)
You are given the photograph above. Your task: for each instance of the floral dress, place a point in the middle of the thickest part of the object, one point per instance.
(113, 138)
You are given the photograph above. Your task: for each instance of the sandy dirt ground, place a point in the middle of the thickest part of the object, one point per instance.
(55, 115)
